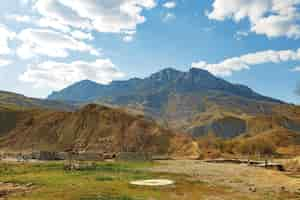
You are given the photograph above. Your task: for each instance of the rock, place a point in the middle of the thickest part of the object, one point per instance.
(3, 193)
(252, 189)
(29, 185)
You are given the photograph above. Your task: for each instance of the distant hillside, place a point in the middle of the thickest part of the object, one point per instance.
(92, 128)
(18, 101)
(229, 124)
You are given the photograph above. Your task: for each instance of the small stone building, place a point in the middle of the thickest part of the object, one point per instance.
(89, 156)
(48, 156)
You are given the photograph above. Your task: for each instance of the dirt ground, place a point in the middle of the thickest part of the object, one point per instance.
(11, 188)
(242, 178)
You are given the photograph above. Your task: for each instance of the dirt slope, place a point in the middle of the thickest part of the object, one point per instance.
(92, 128)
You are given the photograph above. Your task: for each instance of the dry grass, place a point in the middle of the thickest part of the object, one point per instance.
(293, 165)
(268, 184)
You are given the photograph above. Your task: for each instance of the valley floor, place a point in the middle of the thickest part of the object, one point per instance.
(257, 183)
(195, 180)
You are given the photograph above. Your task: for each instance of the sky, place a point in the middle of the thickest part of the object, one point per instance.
(46, 45)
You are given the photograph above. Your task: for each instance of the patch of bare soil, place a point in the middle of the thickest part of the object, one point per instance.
(241, 178)
(11, 189)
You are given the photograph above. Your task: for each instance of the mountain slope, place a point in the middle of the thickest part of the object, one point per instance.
(92, 128)
(18, 101)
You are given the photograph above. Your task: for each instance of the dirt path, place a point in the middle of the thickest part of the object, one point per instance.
(241, 178)
(11, 188)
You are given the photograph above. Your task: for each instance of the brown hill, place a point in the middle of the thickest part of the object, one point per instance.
(92, 128)
(18, 101)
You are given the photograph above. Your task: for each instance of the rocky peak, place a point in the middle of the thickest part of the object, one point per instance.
(166, 75)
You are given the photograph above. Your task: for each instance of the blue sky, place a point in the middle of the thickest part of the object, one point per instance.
(46, 45)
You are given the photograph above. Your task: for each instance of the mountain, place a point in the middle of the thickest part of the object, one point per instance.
(177, 99)
(166, 81)
(91, 128)
(18, 101)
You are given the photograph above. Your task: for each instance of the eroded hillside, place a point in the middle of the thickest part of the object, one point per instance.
(92, 128)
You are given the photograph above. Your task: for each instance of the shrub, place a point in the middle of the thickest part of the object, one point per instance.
(256, 146)
(292, 166)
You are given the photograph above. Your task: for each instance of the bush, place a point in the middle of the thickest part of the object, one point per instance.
(292, 166)
(209, 141)
(256, 146)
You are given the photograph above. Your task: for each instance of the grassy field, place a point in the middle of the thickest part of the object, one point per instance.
(108, 181)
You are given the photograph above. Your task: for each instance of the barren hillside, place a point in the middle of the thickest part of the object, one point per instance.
(92, 128)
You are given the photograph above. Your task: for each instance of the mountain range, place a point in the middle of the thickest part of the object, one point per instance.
(167, 107)
(177, 99)
(168, 81)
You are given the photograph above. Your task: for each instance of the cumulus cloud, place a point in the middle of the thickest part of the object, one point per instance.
(82, 35)
(55, 11)
(49, 43)
(273, 18)
(19, 18)
(39, 21)
(108, 16)
(5, 36)
(230, 65)
(4, 62)
(57, 75)
(51, 23)
(170, 4)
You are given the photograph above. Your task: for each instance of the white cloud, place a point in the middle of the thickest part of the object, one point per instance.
(4, 62)
(58, 75)
(5, 36)
(273, 18)
(51, 23)
(49, 43)
(19, 18)
(168, 17)
(53, 10)
(170, 4)
(128, 38)
(24, 2)
(82, 35)
(39, 21)
(296, 69)
(241, 34)
(230, 65)
(111, 16)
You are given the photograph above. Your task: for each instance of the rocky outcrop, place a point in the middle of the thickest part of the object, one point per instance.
(227, 127)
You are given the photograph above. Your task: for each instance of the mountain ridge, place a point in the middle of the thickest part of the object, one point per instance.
(194, 79)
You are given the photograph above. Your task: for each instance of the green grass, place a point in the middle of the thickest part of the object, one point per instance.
(109, 197)
(52, 182)
(105, 181)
